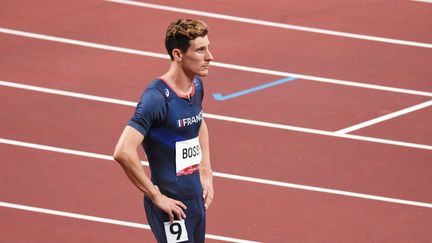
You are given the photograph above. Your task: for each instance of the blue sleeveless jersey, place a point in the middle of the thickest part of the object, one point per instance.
(169, 121)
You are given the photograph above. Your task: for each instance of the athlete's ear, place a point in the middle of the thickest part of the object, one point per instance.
(177, 54)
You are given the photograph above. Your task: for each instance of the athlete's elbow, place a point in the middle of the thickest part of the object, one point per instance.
(120, 155)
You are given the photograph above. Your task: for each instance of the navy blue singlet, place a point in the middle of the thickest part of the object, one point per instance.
(168, 120)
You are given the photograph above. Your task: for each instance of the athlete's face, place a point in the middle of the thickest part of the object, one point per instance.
(197, 58)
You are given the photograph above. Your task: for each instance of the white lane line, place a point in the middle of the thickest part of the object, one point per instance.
(320, 132)
(219, 117)
(228, 176)
(216, 64)
(273, 24)
(67, 93)
(424, 1)
(322, 79)
(104, 220)
(385, 117)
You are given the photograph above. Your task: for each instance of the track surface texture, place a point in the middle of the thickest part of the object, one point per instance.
(319, 117)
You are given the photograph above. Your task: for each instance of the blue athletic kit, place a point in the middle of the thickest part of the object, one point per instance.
(170, 124)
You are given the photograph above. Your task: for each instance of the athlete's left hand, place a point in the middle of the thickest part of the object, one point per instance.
(208, 192)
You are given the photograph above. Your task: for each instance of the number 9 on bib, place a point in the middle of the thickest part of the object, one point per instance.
(176, 231)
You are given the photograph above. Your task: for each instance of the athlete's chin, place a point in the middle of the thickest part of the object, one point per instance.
(203, 73)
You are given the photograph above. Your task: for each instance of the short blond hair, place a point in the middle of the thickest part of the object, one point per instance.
(181, 31)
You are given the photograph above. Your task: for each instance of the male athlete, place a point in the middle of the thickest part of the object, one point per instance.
(168, 123)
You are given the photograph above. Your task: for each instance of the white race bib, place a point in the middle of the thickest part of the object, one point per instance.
(176, 231)
(188, 156)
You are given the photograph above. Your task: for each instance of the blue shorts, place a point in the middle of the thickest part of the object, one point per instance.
(195, 220)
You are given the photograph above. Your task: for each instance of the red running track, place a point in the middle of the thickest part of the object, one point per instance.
(250, 45)
(239, 149)
(267, 214)
(263, 212)
(104, 136)
(365, 17)
(306, 103)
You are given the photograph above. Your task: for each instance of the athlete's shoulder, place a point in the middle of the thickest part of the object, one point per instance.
(157, 83)
(152, 96)
(162, 87)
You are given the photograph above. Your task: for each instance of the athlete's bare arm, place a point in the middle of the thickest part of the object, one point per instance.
(206, 172)
(126, 154)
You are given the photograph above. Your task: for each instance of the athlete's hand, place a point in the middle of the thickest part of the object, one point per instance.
(170, 206)
(208, 192)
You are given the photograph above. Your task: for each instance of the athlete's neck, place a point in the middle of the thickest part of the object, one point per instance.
(179, 79)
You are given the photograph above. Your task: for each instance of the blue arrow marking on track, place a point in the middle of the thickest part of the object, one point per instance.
(221, 97)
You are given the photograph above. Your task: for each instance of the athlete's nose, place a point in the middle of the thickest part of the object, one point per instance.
(209, 56)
